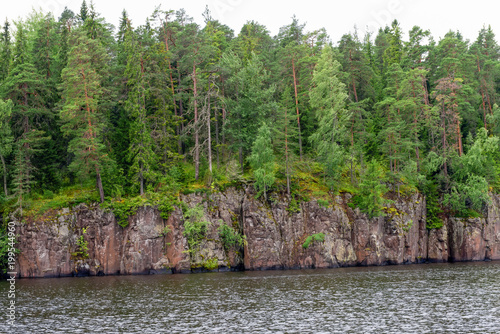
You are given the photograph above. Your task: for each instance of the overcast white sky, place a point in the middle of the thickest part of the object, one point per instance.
(338, 17)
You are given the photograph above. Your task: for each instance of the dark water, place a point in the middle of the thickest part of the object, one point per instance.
(447, 298)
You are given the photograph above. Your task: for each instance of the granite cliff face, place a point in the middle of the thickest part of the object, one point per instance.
(274, 238)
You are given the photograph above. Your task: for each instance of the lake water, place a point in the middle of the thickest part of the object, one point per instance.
(434, 298)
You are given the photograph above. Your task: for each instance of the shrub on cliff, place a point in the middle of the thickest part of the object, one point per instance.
(195, 228)
(370, 197)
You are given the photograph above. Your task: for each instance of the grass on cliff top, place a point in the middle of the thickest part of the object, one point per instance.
(42, 207)
(307, 183)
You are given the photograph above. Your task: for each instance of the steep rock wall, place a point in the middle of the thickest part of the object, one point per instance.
(274, 238)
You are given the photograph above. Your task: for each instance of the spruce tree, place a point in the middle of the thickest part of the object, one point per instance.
(328, 98)
(5, 51)
(141, 155)
(262, 160)
(253, 103)
(27, 90)
(6, 138)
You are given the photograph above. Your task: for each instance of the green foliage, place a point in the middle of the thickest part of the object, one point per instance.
(323, 203)
(262, 161)
(434, 211)
(469, 188)
(141, 154)
(211, 264)
(82, 111)
(166, 206)
(318, 237)
(124, 208)
(230, 237)
(254, 102)
(293, 206)
(166, 230)
(467, 199)
(328, 96)
(82, 246)
(79, 106)
(370, 197)
(195, 228)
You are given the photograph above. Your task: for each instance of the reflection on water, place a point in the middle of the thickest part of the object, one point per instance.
(444, 298)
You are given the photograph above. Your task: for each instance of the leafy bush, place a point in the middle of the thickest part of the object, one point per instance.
(323, 203)
(293, 206)
(211, 264)
(166, 230)
(318, 237)
(467, 199)
(230, 237)
(434, 210)
(124, 208)
(195, 228)
(370, 198)
(166, 205)
(48, 194)
(82, 246)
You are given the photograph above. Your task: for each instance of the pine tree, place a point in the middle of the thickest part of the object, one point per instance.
(414, 52)
(81, 111)
(285, 133)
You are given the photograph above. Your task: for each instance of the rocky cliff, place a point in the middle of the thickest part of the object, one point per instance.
(88, 241)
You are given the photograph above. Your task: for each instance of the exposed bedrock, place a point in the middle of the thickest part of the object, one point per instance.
(275, 237)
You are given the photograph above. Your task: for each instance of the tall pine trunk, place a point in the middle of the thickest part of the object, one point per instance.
(196, 134)
(209, 138)
(297, 107)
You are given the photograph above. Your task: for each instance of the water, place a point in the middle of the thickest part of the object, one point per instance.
(436, 298)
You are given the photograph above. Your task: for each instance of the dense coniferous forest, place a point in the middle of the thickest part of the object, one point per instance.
(141, 113)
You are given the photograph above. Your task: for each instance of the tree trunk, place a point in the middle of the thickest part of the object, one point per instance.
(351, 169)
(297, 107)
(99, 184)
(443, 126)
(196, 135)
(178, 130)
(141, 177)
(286, 156)
(179, 140)
(217, 142)
(415, 128)
(209, 138)
(240, 152)
(4, 176)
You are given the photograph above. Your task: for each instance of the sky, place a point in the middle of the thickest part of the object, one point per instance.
(338, 17)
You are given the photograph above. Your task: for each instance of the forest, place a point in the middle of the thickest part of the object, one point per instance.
(139, 114)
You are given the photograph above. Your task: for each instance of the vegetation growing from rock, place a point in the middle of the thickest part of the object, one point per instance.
(195, 229)
(318, 237)
(144, 114)
(230, 237)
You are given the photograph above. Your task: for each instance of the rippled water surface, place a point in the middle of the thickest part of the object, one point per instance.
(444, 298)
